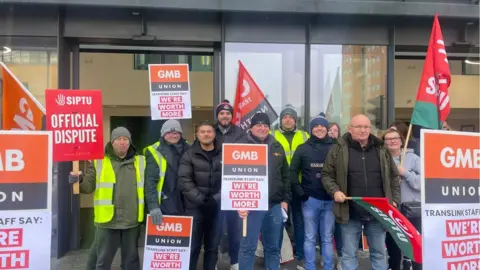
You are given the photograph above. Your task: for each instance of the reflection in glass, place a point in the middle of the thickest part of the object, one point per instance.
(278, 70)
(347, 80)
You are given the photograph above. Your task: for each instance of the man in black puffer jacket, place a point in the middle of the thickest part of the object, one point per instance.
(200, 178)
(268, 223)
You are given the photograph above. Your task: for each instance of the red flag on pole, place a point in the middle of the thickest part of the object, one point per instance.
(432, 105)
(249, 99)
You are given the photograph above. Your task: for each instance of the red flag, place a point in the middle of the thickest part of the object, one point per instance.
(249, 99)
(20, 109)
(432, 105)
(408, 239)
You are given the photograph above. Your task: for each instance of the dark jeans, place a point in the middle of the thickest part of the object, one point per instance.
(298, 228)
(269, 225)
(207, 225)
(108, 241)
(394, 252)
(338, 239)
(234, 225)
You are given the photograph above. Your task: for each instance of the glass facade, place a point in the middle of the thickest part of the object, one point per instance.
(196, 62)
(35, 67)
(346, 80)
(278, 70)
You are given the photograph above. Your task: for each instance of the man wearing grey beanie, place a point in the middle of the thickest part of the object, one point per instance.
(161, 190)
(290, 137)
(117, 181)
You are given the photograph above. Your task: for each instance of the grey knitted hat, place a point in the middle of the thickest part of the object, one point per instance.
(170, 125)
(119, 132)
(289, 111)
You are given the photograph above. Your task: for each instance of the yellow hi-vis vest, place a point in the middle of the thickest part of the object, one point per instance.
(162, 166)
(299, 138)
(104, 208)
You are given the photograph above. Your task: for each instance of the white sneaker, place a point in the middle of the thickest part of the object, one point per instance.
(234, 266)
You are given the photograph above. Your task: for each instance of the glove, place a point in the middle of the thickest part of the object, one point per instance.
(209, 202)
(304, 197)
(157, 216)
(73, 178)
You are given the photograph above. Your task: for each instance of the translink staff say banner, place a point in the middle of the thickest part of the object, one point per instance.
(76, 119)
(450, 199)
(167, 246)
(169, 91)
(25, 199)
(244, 177)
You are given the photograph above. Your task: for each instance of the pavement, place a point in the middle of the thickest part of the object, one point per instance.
(76, 260)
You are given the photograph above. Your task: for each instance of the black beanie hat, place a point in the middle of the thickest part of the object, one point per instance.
(224, 106)
(260, 118)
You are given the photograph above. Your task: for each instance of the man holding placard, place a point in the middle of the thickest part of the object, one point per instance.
(268, 223)
(117, 181)
(162, 194)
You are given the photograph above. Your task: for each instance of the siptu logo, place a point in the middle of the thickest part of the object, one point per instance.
(60, 100)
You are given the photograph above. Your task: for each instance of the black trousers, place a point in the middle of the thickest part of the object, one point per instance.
(394, 252)
(207, 226)
(92, 256)
(108, 241)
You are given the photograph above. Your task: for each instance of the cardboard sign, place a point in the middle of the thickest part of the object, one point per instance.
(167, 246)
(25, 170)
(169, 91)
(25, 199)
(244, 177)
(17, 228)
(76, 119)
(450, 199)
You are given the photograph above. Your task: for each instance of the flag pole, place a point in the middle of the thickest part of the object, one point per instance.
(409, 133)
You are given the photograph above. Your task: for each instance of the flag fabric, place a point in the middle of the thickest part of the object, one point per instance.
(334, 108)
(249, 99)
(402, 231)
(432, 105)
(20, 109)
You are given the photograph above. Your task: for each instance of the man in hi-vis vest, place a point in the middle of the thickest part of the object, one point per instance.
(161, 187)
(290, 137)
(118, 183)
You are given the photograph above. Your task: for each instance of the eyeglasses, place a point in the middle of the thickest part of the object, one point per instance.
(361, 127)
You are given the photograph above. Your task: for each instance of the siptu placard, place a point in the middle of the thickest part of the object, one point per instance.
(244, 177)
(75, 118)
(169, 91)
(450, 199)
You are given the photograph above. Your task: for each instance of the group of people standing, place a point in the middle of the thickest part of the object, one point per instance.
(310, 173)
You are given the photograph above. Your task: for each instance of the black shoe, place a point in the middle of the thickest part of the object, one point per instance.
(407, 264)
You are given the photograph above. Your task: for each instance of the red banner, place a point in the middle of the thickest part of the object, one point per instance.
(249, 100)
(75, 117)
(408, 239)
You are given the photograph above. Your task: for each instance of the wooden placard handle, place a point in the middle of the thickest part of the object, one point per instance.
(75, 170)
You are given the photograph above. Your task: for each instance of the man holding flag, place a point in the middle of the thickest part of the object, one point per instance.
(360, 166)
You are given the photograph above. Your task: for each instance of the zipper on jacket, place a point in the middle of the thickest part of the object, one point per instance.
(365, 171)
